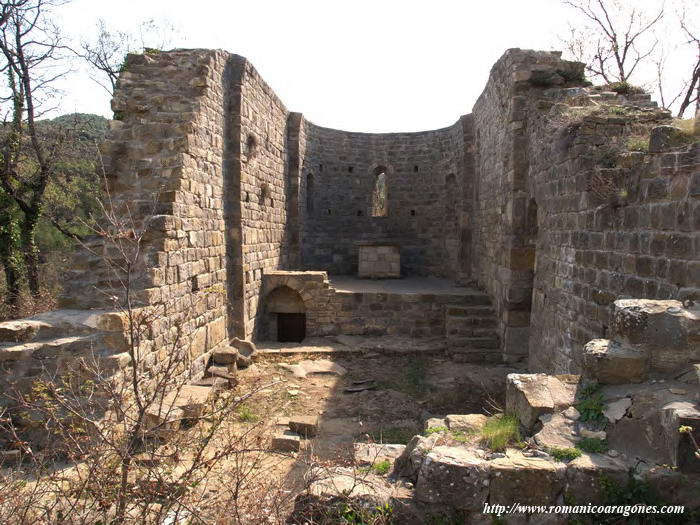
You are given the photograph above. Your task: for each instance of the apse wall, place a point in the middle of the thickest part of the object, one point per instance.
(424, 175)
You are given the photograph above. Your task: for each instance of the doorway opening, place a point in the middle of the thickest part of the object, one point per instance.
(285, 315)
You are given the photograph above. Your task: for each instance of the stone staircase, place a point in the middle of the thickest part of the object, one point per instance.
(471, 330)
(52, 343)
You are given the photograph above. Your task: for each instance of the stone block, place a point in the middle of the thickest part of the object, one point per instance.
(680, 447)
(526, 480)
(664, 138)
(286, 442)
(528, 398)
(305, 426)
(557, 431)
(583, 477)
(664, 328)
(466, 423)
(614, 363)
(373, 453)
(434, 422)
(453, 476)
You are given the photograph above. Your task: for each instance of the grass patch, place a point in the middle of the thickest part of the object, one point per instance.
(411, 379)
(394, 435)
(565, 454)
(638, 143)
(246, 415)
(593, 445)
(435, 430)
(625, 88)
(590, 404)
(500, 431)
(686, 125)
(381, 467)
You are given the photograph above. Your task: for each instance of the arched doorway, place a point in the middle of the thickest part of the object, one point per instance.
(286, 315)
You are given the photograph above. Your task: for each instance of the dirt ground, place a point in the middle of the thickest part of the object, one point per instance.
(407, 389)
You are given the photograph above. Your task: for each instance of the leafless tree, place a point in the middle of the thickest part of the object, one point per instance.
(106, 53)
(32, 53)
(615, 40)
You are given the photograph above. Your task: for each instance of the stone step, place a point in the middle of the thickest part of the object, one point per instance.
(469, 322)
(473, 299)
(472, 343)
(60, 323)
(458, 310)
(470, 331)
(48, 349)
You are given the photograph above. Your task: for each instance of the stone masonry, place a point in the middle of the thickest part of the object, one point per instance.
(535, 198)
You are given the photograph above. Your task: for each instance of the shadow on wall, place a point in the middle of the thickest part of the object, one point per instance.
(284, 316)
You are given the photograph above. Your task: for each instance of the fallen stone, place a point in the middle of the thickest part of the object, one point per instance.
(163, 421)
(612, 363)
(246, 352)
(408, 463)
(286, 442)
(527, 399)
(213, 382)
(617, 409)
(678, 391)
(470, 423)
(19, 331)
(305, 426)
(453, 476)
(226, 355)
(557, 432)
(529, 481)
(320, 366)
(583, 477)
(373, 453)
(571, 413)
(593, 434)
(191, 399)
(664, 328)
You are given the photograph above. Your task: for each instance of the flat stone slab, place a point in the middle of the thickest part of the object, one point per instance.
(388, 343)
(191, 399)
(530, 395)
(617, 409)
(373, 453)
(583, 477)
(320, 366)
(288, 441)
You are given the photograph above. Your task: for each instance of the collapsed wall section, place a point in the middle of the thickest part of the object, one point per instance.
(423, 177)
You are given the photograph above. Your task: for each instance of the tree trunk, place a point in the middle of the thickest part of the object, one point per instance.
(31, 252)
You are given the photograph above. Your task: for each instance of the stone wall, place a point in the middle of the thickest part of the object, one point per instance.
(559, 199)
(232, 186)
(163, 164)
(424, 178)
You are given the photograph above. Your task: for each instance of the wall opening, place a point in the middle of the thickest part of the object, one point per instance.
(285, 316)
(380, 202)
(309, 192)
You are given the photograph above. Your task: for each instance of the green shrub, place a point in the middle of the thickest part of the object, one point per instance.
(593, 445)
(500, 431)
(590, 404)
(625, 88)
(382, 467)
(565, 454)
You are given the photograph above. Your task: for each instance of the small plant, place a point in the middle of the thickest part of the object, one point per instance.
(246, 415)
(685, 429)
(617, 110)
(625, 88)
(462, 437)
(382, 467)
(565, 454)
(353, 514)
(500, 431)
(593, 445)
(590, 404)
(435, 430)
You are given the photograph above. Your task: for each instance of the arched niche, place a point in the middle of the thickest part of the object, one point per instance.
(285, 315)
